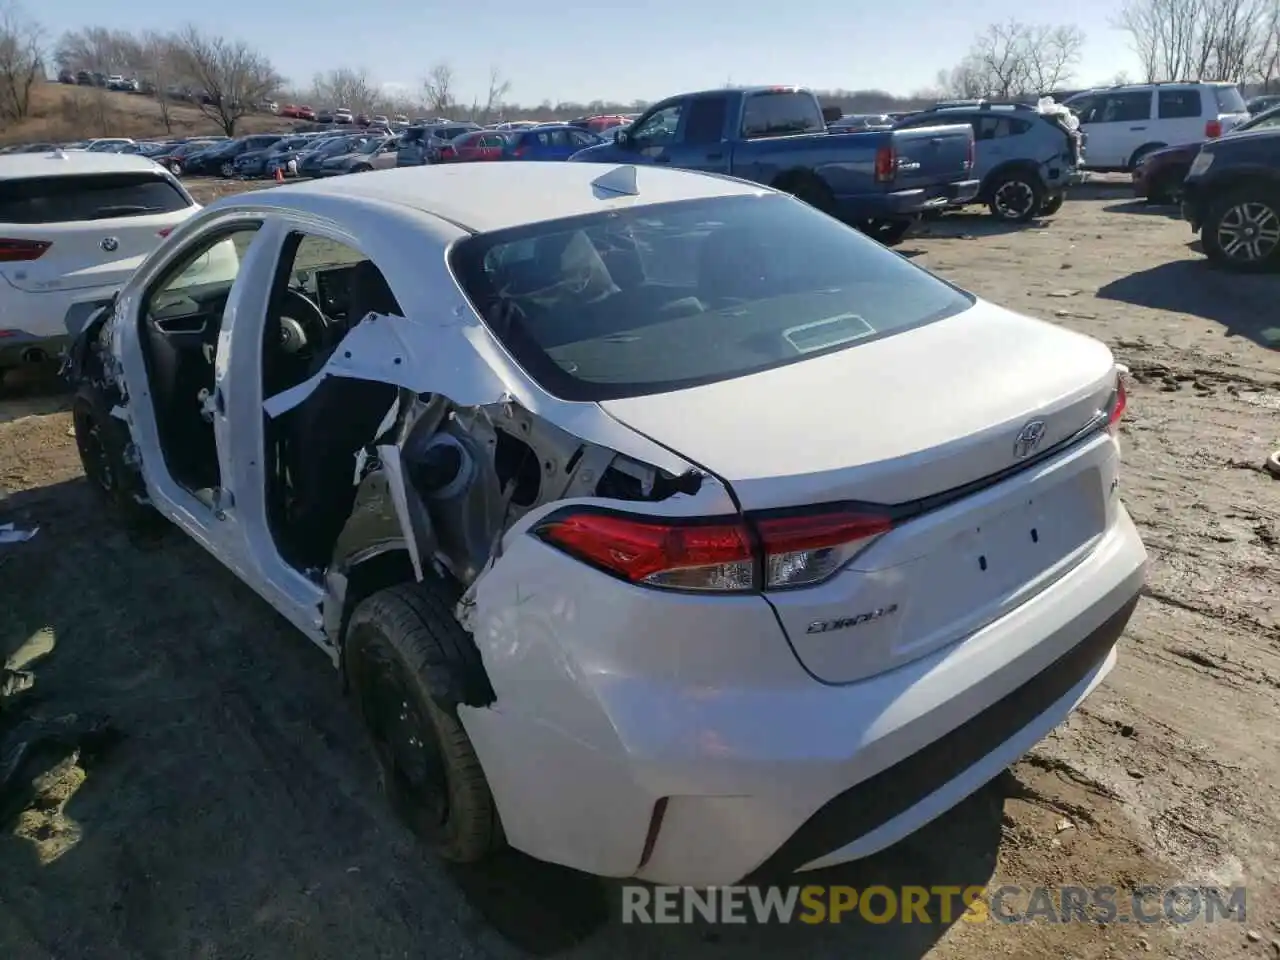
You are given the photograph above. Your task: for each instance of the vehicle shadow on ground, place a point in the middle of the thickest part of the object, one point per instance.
(966, 226)
(1243, 305)
(1141, 207)
(235, 813)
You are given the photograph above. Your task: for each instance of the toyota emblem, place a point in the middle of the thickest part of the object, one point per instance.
(110, 244)
(1028, 439)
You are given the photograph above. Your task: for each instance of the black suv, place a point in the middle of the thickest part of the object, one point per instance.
(1232, 197)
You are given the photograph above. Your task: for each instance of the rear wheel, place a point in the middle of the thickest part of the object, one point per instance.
(811, 190)
(1242, 230)
(1016, 197)
(227, 170)
(402, 644)
(175, 168)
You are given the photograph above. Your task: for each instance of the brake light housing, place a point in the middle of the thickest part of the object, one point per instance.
(1213, 129)
(22, 251)
(886, 163)
(1119, 403)
(775, 550)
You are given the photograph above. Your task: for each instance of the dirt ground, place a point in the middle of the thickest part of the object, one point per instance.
(235, 815)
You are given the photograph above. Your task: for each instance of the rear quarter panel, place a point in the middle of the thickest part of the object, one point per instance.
(845, 161)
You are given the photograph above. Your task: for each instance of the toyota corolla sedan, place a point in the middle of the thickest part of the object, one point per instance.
(661, 525)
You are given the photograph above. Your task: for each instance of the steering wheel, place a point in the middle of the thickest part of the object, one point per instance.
(304, 329)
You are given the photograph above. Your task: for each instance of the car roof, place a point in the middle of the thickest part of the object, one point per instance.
(54, 163)
(483, 197)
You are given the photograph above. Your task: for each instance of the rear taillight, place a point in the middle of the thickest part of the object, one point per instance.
(886, 164)
(769, 551)
(1213, 129)
(1119, 400)
(164, 232)
(21, 251)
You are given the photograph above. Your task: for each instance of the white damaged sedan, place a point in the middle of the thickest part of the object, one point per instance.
(661, 525)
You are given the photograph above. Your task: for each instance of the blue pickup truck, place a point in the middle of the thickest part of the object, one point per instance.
(877, 180)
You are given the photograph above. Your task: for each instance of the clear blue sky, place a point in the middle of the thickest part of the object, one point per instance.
(575, 50)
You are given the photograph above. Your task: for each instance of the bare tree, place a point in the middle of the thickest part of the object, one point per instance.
(345, 88)
(159, 69)
(437, 89)
(1202, 39)
(499, 87)
(97, 48)
(230, 77)
(20, 62)
(1014, 58)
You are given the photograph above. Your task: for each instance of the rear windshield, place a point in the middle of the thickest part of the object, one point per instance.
(781, 113)
(1230, 100)
(676, 295)
(102, 196)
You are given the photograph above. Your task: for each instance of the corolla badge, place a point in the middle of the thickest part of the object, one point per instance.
(1028, 439)
(844, 623)
(110, 244)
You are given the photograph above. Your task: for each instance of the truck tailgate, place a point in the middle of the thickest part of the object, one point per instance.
(932, 155)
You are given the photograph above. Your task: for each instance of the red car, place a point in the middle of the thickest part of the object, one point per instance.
(1158, 176)
(478, 145)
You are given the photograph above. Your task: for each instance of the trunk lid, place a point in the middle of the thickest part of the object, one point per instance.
(98, 228)
(841, 427)
(927, 156)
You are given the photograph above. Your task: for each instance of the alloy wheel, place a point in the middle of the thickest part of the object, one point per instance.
(1249, 232)
(1013, 199)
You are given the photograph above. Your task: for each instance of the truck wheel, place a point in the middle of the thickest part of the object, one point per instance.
(1016, 197)
(1052, 204)
(890, 233)
(101, 441)
(1242, 230)
(403, 644)
(809, 189)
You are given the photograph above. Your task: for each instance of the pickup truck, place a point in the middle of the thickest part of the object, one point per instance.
(878, 180)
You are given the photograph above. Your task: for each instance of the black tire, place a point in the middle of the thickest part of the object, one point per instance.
(1052, 204)
(1167, 187)
(1233, 214)
(362, 168)
(888, 233)
(101, 441)
(811, 190)
(1016, 197)
(402, 644)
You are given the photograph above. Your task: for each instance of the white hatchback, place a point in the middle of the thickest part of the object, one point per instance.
(662, 525)
(73, 228)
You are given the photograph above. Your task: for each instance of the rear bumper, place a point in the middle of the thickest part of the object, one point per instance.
(759, 768)
(47, 322)
(19, 348)
(900, 204)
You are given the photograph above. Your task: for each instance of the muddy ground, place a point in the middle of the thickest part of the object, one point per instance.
(235, 814)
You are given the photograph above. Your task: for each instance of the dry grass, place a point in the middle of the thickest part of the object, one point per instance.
(61, 112)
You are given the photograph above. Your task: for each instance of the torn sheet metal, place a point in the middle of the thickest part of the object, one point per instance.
(428, 358)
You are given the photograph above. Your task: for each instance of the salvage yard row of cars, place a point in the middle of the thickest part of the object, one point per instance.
(478, 432)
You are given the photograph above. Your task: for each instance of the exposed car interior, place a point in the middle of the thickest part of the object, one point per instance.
(181, 320)
(313, 447)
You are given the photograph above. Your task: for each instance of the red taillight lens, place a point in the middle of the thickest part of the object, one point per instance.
(521, 151)
(768, 551)
(1119, 400)
(1213, 129)
(164, 231)
(886, 164)
(20, 251)
(691, 555)
(808, 548)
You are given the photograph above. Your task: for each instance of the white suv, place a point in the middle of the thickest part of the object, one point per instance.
(1123, 124)
(73, 228)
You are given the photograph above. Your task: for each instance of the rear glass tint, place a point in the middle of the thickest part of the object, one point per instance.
(675, 295)
(104, 196)
(1230, 100)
